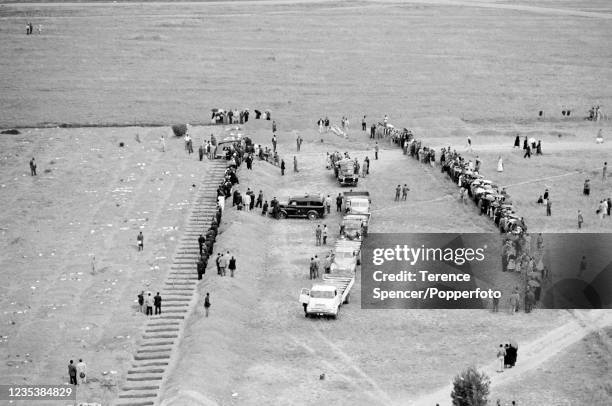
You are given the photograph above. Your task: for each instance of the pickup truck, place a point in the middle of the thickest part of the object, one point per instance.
(346, 257)
(325, 299)
(356, 202)
(345, 172)
(354, 226)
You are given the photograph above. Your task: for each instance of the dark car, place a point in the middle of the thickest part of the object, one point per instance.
(311, 206)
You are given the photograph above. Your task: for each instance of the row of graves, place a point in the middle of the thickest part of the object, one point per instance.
(223, 116)
(491, 200)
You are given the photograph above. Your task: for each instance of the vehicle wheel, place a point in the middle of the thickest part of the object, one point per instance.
(312, 215)
(347, 298)
(282, 215)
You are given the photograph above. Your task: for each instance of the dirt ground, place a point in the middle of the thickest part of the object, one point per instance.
(442, 69)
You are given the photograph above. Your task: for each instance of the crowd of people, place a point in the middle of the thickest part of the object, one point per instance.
(235, 116)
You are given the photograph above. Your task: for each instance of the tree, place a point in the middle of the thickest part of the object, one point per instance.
(470, 388)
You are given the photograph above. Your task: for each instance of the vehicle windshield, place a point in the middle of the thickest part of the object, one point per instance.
(352, 224)
(359, 203)
(343, 255)
(321, 294)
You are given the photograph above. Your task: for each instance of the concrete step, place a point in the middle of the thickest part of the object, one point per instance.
(148, 364)
(154, 351)
(136, 395)
(176, 305)
(176, 299)
(162, 329)
(165, 323)
(140, 387)
(135, 403)
(142, 357)
(160, 335)
(148, 378)
(145, 371)
(157, 343)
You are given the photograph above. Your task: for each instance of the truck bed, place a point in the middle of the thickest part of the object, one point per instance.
(342, 283)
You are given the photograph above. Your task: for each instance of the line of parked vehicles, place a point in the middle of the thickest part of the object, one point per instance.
(326, 297)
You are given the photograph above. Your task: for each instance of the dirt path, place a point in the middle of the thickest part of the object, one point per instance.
(533, 354)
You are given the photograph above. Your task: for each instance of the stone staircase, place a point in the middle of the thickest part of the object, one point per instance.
(162, 333)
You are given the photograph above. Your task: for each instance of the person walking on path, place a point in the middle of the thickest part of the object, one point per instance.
(32, 167)
(580, 219)
(72, 372)
(149, 302)
(82, 370)
(295, 164)
(318, 234)
(282, 167)
(548, 207)
(376, 151)
(206, 303)
(141, 301)
(405, 190)
(398, 189)
(232, 266)
(324, 234)
(157, 301)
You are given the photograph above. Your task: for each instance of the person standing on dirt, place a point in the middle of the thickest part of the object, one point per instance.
(206, 303)
(222, 264)
(259, 201)
(326, 124)
(328, 202)
(32, 167)
(324, 234)
(318, 235)
(72, 372)
(604, 171)
(157, 301)
(274, 143)
(141, 301)
(201, 152)
(282, 167)
(295, 164)
(273, 126)
(82, 370)
(312, 268)
(405, 190)
(548, 208)
(140, 241)
(501, 356)
(339, 202)
(149, 302)
(376, 151)
(363, 124)
(398, 189)
(232, 266)
(580, 219)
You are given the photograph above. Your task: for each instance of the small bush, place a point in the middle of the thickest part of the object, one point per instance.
(470, 388)
(179, 130)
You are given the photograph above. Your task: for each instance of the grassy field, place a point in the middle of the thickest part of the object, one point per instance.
(438, 67)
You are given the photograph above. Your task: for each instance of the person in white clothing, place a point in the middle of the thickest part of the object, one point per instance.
(82, 371)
